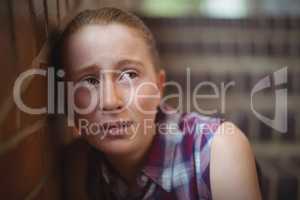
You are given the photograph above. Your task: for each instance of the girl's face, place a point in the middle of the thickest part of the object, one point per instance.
(115, 63)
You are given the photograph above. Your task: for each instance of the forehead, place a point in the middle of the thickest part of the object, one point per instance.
(103, 45)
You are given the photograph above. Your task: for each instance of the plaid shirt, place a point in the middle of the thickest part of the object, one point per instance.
(176, 167)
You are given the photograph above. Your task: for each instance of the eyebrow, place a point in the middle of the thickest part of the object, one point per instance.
(127, 62)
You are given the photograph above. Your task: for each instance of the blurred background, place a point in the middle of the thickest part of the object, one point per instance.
(218, 40)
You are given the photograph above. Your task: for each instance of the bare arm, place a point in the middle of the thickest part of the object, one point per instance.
(232, 169)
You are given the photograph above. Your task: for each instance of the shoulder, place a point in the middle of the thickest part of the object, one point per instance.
(233, 172)
(230, 138)
(231, 142)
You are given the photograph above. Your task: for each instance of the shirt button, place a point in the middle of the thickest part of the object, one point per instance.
(144, 178)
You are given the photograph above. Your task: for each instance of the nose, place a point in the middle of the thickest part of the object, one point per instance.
(109, 96)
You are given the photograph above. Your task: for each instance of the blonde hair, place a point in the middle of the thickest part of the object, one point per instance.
(109, 15)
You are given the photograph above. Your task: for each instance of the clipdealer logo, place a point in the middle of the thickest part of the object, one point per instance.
(278, 79)
(279, 122)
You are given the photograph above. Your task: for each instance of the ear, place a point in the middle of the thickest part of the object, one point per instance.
(161, 78)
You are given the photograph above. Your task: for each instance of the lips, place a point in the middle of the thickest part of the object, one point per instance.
(116, 128)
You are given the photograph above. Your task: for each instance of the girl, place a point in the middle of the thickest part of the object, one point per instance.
(141, 148)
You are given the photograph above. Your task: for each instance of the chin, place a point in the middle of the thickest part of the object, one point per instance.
(112, 145)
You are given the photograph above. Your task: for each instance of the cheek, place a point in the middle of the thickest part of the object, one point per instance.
(84, 97)
(147, 98)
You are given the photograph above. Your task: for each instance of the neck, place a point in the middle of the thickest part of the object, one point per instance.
(128, 165)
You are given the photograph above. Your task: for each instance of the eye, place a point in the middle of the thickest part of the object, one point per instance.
(92, 80)
(128, 75)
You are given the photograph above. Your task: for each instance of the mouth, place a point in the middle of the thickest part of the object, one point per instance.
(116, 128)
